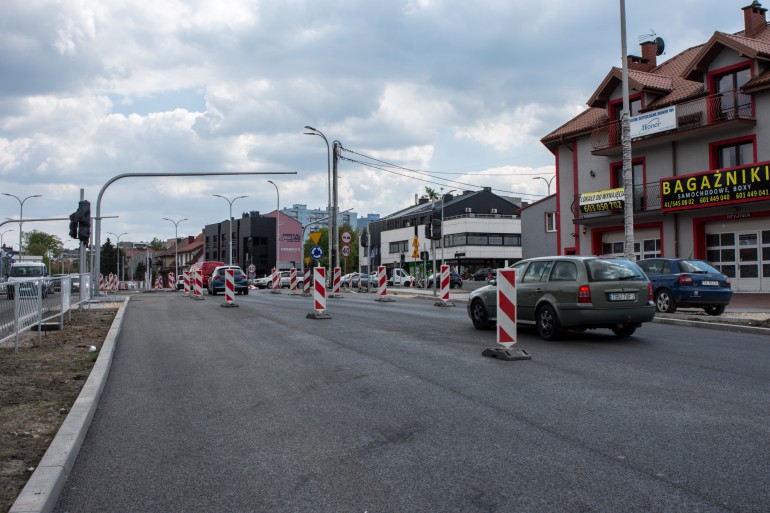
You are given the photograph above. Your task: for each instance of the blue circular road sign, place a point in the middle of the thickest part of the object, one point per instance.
(317, 252)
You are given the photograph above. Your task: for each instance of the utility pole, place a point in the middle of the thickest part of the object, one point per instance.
(628, 181)
(336, 145)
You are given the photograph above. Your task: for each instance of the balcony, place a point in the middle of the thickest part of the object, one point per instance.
(704, 112)
(646, 199)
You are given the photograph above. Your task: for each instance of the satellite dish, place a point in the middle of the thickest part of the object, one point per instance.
(661, 45)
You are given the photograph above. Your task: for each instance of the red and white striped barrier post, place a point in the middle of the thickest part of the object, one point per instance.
(111, 282)
(337, 282)
(445, 282)
(198, 285)
(506, 319)
(276, 281)
(186, 280)
(101, 281)
(319, 294)
(293, 280)
(158, 283)
(306, 283)
(172, 281)
(382, 285)
(229, 288)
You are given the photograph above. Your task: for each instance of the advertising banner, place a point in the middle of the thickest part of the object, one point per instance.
(653, 122)
(602, 201)
(719, 187)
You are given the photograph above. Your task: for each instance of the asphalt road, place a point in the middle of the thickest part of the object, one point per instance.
(390, 407)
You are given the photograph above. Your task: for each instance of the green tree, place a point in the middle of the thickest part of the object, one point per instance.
(431, 194)
(42, 244)
(157, 244)
(109, 258)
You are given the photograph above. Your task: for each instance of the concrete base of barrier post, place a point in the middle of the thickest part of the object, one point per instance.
(385, 299)
(319, 315)
(229, 305)
(506, 354)
(443, 303)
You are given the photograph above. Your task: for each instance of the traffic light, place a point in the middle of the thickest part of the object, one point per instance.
(84, 215)
(435, 228)
(403, 261)
(428, 231)
(364, 239)
(74, 225)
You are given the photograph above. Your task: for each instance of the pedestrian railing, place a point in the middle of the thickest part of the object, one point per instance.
(30, 303)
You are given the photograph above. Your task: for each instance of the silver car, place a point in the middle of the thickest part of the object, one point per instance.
(560, 293)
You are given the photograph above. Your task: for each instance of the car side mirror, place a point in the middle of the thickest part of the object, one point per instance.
(493, 282)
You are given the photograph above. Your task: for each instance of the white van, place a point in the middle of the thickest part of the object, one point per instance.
(399, 276)
(23, 271)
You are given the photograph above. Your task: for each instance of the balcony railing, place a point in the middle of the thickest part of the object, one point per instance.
(707, 111)
(646, 198)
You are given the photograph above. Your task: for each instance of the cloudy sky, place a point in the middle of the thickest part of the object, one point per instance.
(461, 91)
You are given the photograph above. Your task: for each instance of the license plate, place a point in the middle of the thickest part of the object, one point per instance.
(710, 283)
(622, 296)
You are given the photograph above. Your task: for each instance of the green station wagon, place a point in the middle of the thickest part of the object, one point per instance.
(562, 293)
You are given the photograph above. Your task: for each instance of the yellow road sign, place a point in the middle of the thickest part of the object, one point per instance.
(315, 237)
(415, 242)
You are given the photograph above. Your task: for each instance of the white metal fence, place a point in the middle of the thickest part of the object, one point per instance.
(29, 303)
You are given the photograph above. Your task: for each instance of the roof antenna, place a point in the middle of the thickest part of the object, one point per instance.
(653, 37)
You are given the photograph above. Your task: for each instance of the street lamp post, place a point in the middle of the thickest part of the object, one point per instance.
(443, 198)
(1, 237)
(21, 212)
(117, 245)
(176, 248)
(230, 236)
(329, 212)
(277, 229)
(546, 180)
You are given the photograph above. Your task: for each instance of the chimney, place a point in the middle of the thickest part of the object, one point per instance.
(650, 53)
(754, 19)
(648, 60)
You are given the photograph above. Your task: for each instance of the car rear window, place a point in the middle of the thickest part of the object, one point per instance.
(697, 266)
(613, 269)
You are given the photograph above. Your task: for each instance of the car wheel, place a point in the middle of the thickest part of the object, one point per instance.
(664, 301)
(213, 292)
(269, 285)
(479, 315)
(548, 325)
(624, 331)
(715, 310)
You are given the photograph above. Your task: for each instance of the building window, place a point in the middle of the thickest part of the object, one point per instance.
(727, 83)
(399, 246)
(637, 181)
(550, 221)
(733, 152)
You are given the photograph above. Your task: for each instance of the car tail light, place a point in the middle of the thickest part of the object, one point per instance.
(685, 279)
(727, 281)
(584, 294)
(650, 296)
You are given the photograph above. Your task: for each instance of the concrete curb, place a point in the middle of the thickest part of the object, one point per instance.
(756, 330)
(47, 481)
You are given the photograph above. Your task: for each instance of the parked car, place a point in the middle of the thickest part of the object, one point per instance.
(483, 274)
(687, 283)
(345, 280)
(217, 280)
(455, 280)
(180, 282)
(559, 293)
(363, 280)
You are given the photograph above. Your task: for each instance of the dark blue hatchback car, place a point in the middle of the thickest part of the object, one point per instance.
(687, 283)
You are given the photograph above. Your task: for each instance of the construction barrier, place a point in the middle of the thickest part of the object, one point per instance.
(319, 294)
(306, 282)
(186, 279)
(382, 285)
(172, 281)
(198, 286)
(293, 280)
(337, 281)
(113, 286)
(158, 283)
(101, 282)
(276, 281)
(229, 288)
(506, 319)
